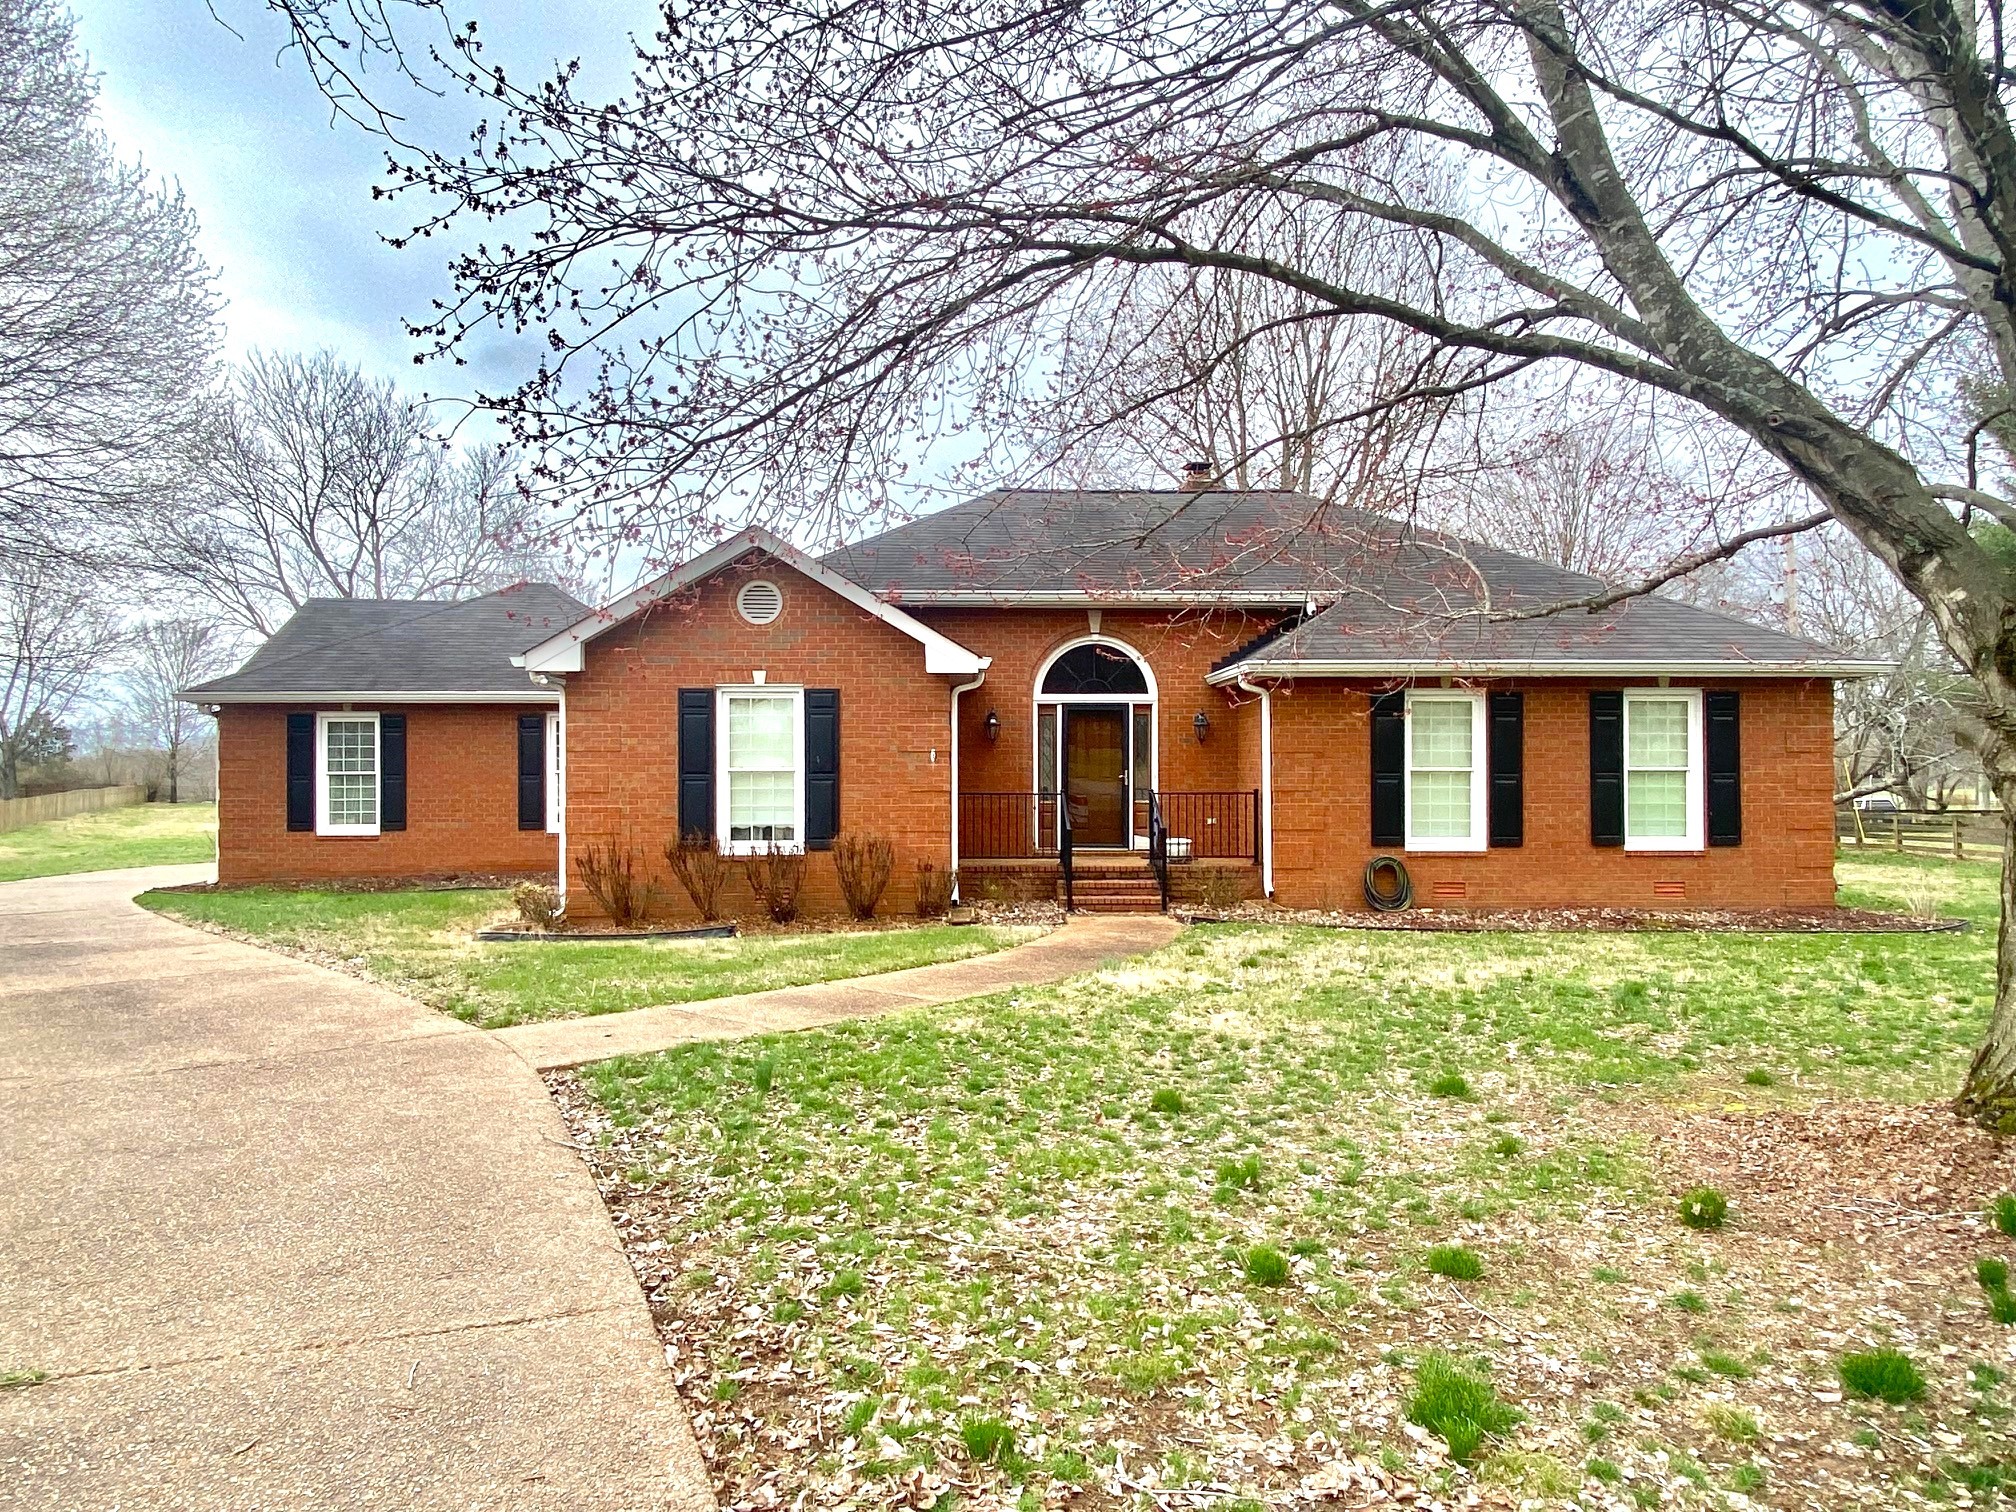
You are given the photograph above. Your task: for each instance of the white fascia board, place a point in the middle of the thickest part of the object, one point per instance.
(530, 695)
(1279, 669)
(1158, 598)
(562, 652)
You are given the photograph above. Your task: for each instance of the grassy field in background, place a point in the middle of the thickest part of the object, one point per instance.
(148, 834)
(1191, 1223)
(420, 943)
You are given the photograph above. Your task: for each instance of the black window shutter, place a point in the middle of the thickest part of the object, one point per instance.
(301, 771)
(1724, 742)
(1506, 736)
(696, 761)
(1606, 768)
(1389, 768)
(822, 767)
(391, 771)
(531, 771)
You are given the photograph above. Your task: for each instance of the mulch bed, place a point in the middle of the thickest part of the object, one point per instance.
(442, 882)
(1619, 920)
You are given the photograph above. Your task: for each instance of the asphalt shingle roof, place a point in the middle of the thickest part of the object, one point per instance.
(1384, 592)
(391, 646)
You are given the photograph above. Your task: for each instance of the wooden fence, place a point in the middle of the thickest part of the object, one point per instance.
(1960, 833)
(17, 812)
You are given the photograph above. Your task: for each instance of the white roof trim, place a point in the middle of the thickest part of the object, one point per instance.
(1642, 668)
(503, 696)
(562, 652)
(1008, 598)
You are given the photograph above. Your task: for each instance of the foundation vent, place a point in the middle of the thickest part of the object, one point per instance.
(1450, 892)
(1669, 889)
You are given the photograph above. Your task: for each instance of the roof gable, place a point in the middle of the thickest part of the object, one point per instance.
(562, 651)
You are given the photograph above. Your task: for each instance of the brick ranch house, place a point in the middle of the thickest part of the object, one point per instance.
(1255, 688)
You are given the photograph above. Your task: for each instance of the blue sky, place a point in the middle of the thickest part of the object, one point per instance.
(282, 190)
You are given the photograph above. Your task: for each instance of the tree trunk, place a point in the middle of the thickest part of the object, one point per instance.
(10, 771)
(173, 763)
(1988, 1096)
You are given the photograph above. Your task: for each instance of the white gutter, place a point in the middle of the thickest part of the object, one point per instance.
(956, 691)
(1266, 783)
(1709, 669)
(1008, 598)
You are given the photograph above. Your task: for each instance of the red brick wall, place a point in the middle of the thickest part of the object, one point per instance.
(1322, 819)
(461, 801)
(622, 730)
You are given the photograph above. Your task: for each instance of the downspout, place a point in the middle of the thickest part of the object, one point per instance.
(957, 689)
(1266, 781)
(558, 771)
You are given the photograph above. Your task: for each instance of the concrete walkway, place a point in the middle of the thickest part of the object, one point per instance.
(282, 1239)
(1086, 943)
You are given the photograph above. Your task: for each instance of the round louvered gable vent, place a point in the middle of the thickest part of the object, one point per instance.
(759, 602)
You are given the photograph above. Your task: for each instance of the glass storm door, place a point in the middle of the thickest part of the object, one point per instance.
(1095, 773)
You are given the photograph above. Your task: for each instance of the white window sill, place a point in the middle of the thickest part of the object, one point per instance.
(347, 832)
(1664, 848)
(762, 847)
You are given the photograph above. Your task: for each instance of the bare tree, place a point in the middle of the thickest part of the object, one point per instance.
(107, 314)
(799, 238)
(167, 656)
(56, 635)
(310, 480)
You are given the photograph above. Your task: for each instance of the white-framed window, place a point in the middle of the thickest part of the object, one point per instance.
(556, 774)
(1446, 776)
(1663, 787)
(760, 768)
(346, 774)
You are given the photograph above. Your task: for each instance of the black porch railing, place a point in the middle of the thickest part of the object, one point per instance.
(1201, 826)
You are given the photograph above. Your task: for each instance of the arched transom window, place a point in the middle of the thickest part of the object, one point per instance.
(1096, 668)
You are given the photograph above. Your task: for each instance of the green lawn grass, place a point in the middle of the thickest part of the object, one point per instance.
(148, 834)
(1043, 1208)
(420, 943)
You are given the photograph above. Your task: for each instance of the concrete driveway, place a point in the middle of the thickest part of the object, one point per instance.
(280, 1239)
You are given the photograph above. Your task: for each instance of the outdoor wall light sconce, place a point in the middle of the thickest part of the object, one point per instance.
(1202, 725)
(992, 725)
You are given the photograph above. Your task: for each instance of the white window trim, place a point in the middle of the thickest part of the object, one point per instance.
(347, 716)
(1695, 838)
(722, 696)
(1480, 778)
(556, 773)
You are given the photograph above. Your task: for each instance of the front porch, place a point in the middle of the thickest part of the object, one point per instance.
(1189, 847)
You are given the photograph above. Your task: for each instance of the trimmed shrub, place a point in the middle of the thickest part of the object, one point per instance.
(695, 859)
(610, 873)
(1704, 1208)
(1992, 1271)
(1455, 1262)
(1883, 1375)
(538, 905)
(864, 864)
(775, 875)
